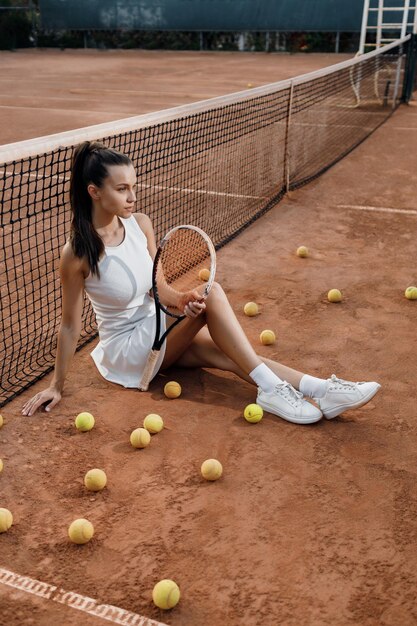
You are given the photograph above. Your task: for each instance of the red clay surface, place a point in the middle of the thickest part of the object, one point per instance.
(49, 91)
(309, 526)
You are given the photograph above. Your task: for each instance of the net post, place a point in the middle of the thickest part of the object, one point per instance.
(287, 140)
(410, 69)
(397, 82)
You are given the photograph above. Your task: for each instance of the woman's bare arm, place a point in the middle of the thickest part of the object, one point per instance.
(72, 273)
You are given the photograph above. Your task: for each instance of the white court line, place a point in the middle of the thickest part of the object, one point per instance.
(378, 209)
(370, 128)
(321, 125)
(36, 176)
(60, 110)
(75, 601)
(402, 127)
(203, 191)
(97, 92)
(146, 186)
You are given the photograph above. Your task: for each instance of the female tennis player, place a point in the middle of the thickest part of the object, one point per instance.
(109, 255)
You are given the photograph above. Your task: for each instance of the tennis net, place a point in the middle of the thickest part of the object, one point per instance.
(218, 164)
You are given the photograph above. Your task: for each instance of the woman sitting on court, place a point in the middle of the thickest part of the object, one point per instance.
(109, 255)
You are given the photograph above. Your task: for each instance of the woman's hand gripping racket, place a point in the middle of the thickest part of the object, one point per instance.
(181, 255)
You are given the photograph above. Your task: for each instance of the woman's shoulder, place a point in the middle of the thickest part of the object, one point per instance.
(146, 227)
(71, 263)
(143, 220)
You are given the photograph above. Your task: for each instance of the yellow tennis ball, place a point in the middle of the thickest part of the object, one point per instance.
(204, 274)
(84, 422)
(1, 465)
(172, 389)
(211, 469)
(1, 421)
(153, 423)
(140, 438)
(95, 479)
(334, 295)
(251, 309)
(253, 413)
(249, 85)
(6, 520)
(80, 531)
(411, 293)
(302, 251)
(267, 337)
(166, 594)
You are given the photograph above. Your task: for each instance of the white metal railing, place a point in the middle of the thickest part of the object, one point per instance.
(386, 29)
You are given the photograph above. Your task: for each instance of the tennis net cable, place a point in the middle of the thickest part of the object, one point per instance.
(219, 164)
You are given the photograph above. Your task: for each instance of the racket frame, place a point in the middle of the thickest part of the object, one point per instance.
(159, 341)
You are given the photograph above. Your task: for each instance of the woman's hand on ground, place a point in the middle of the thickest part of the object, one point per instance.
(48, 398)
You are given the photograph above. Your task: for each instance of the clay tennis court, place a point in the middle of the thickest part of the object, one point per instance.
(311, 525)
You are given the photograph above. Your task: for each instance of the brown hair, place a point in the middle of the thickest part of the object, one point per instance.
(90, 163)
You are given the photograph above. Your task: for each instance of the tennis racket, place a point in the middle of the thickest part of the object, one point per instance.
(182, 255)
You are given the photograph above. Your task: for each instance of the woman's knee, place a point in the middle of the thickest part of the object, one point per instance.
(216, 293)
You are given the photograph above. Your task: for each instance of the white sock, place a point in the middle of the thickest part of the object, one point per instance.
(313, 387)
(265, 378)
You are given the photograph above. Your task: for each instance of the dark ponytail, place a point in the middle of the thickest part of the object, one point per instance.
(90, 163)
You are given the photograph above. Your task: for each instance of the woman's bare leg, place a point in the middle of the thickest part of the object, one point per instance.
(284, 372)
(203, 352)
(180, 338)
(224, 329)
(224, 345)
(234, 354)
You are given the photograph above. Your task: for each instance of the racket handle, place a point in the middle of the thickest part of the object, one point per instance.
(149, 370)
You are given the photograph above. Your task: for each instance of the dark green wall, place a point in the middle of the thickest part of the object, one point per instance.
(206, 15)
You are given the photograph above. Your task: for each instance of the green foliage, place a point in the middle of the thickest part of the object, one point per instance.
(60, 39)
(15, 27)
(179, 40)
(148, 40)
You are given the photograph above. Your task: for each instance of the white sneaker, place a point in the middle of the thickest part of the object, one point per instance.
(342, 395)
(288, 403)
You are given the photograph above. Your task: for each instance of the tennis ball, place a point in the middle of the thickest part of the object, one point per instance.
(1, 465)
(6, 520)
(253, 413)
(166, 594)
(153, 423)
(80, 531)
(1, 421)
(211, 469)
(251, 309)
(204, 274)
(302, 251)
(84, 422)
(411, 293)
(172, 389)
(267, 337)
(249, 85)
(95, 480)
(334, 295)
(140, 438)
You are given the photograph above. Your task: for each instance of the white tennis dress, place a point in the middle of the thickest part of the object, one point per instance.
(125, 311)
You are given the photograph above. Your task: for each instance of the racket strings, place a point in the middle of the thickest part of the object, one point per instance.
(181, 258)
(183, 255)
